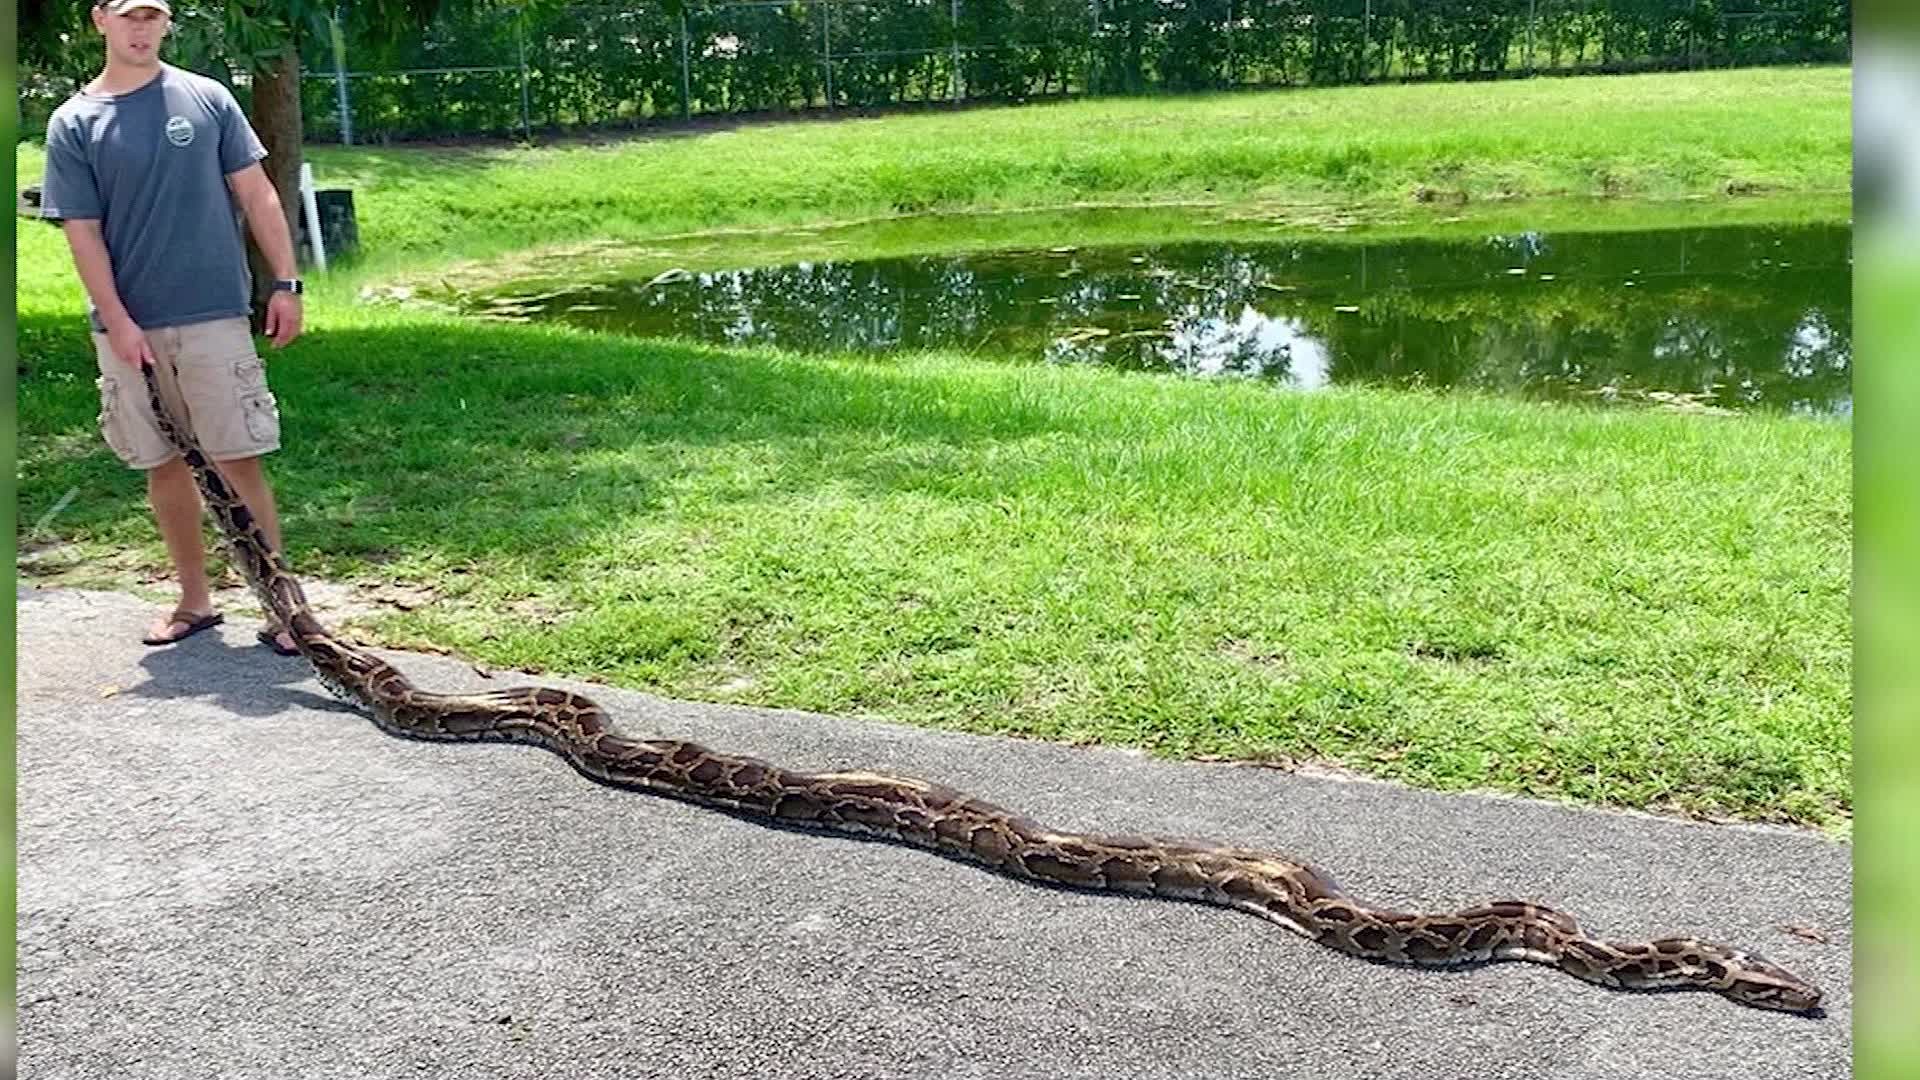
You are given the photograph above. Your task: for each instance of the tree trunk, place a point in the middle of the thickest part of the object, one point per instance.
(276, 119)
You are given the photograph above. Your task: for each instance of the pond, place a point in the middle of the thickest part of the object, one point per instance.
(1734, 317)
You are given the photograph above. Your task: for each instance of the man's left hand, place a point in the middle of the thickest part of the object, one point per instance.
(283, 318)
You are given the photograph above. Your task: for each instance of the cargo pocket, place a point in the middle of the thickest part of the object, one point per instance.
(258, 410)
(249, 374)
(262, 415)
(112, 417)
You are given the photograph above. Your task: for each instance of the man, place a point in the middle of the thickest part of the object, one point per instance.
(145, 165)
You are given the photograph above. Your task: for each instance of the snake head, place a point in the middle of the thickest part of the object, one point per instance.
(1754, 980)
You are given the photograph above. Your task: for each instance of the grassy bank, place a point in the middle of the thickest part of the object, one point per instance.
(1656, 136)
(1765, 131)
(1633, 608)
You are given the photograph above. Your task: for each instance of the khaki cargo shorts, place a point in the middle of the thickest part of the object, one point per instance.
(210, 375)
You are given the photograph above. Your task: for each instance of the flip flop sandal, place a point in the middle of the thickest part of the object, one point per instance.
(271, 639)
(194, 621)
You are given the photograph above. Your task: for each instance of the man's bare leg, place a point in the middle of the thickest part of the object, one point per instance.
(249, 481)
(176, 510)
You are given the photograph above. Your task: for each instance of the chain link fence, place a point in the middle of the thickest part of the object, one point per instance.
(505, 72)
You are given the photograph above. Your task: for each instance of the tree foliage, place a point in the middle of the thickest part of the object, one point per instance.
(608, 64)
(57, 41)
(604, 65)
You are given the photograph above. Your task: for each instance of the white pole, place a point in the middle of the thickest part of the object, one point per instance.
(312, 206)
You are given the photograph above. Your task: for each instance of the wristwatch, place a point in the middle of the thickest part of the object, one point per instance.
(292, 285)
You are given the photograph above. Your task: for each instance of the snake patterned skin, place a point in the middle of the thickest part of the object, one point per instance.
(954, 824)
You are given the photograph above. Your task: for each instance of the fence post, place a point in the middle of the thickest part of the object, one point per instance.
(1093, 52)
(1229, 37)
(526, 103)
(686, 78)
(1530, 6)
(955, 81)
(1366, 40)
(1693, 13)
(826, 46)
(340, 80)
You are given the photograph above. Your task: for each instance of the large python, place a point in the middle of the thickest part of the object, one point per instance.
(952, 823)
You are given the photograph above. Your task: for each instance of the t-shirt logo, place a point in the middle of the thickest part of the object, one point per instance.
(179, 130)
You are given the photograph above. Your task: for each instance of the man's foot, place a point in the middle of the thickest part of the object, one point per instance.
(278, 640)
(180, 625)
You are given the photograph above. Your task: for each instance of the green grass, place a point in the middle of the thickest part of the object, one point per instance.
(1629, 608)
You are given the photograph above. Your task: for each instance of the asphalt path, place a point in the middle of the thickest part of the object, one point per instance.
(223, 873)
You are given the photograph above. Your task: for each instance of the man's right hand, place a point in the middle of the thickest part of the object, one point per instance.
(129, 343)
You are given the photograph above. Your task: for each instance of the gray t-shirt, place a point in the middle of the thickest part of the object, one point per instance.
(151, 166)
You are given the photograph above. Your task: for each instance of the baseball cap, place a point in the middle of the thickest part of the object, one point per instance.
(121, 7)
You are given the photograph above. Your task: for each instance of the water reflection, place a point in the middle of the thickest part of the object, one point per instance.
(1731, 318)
